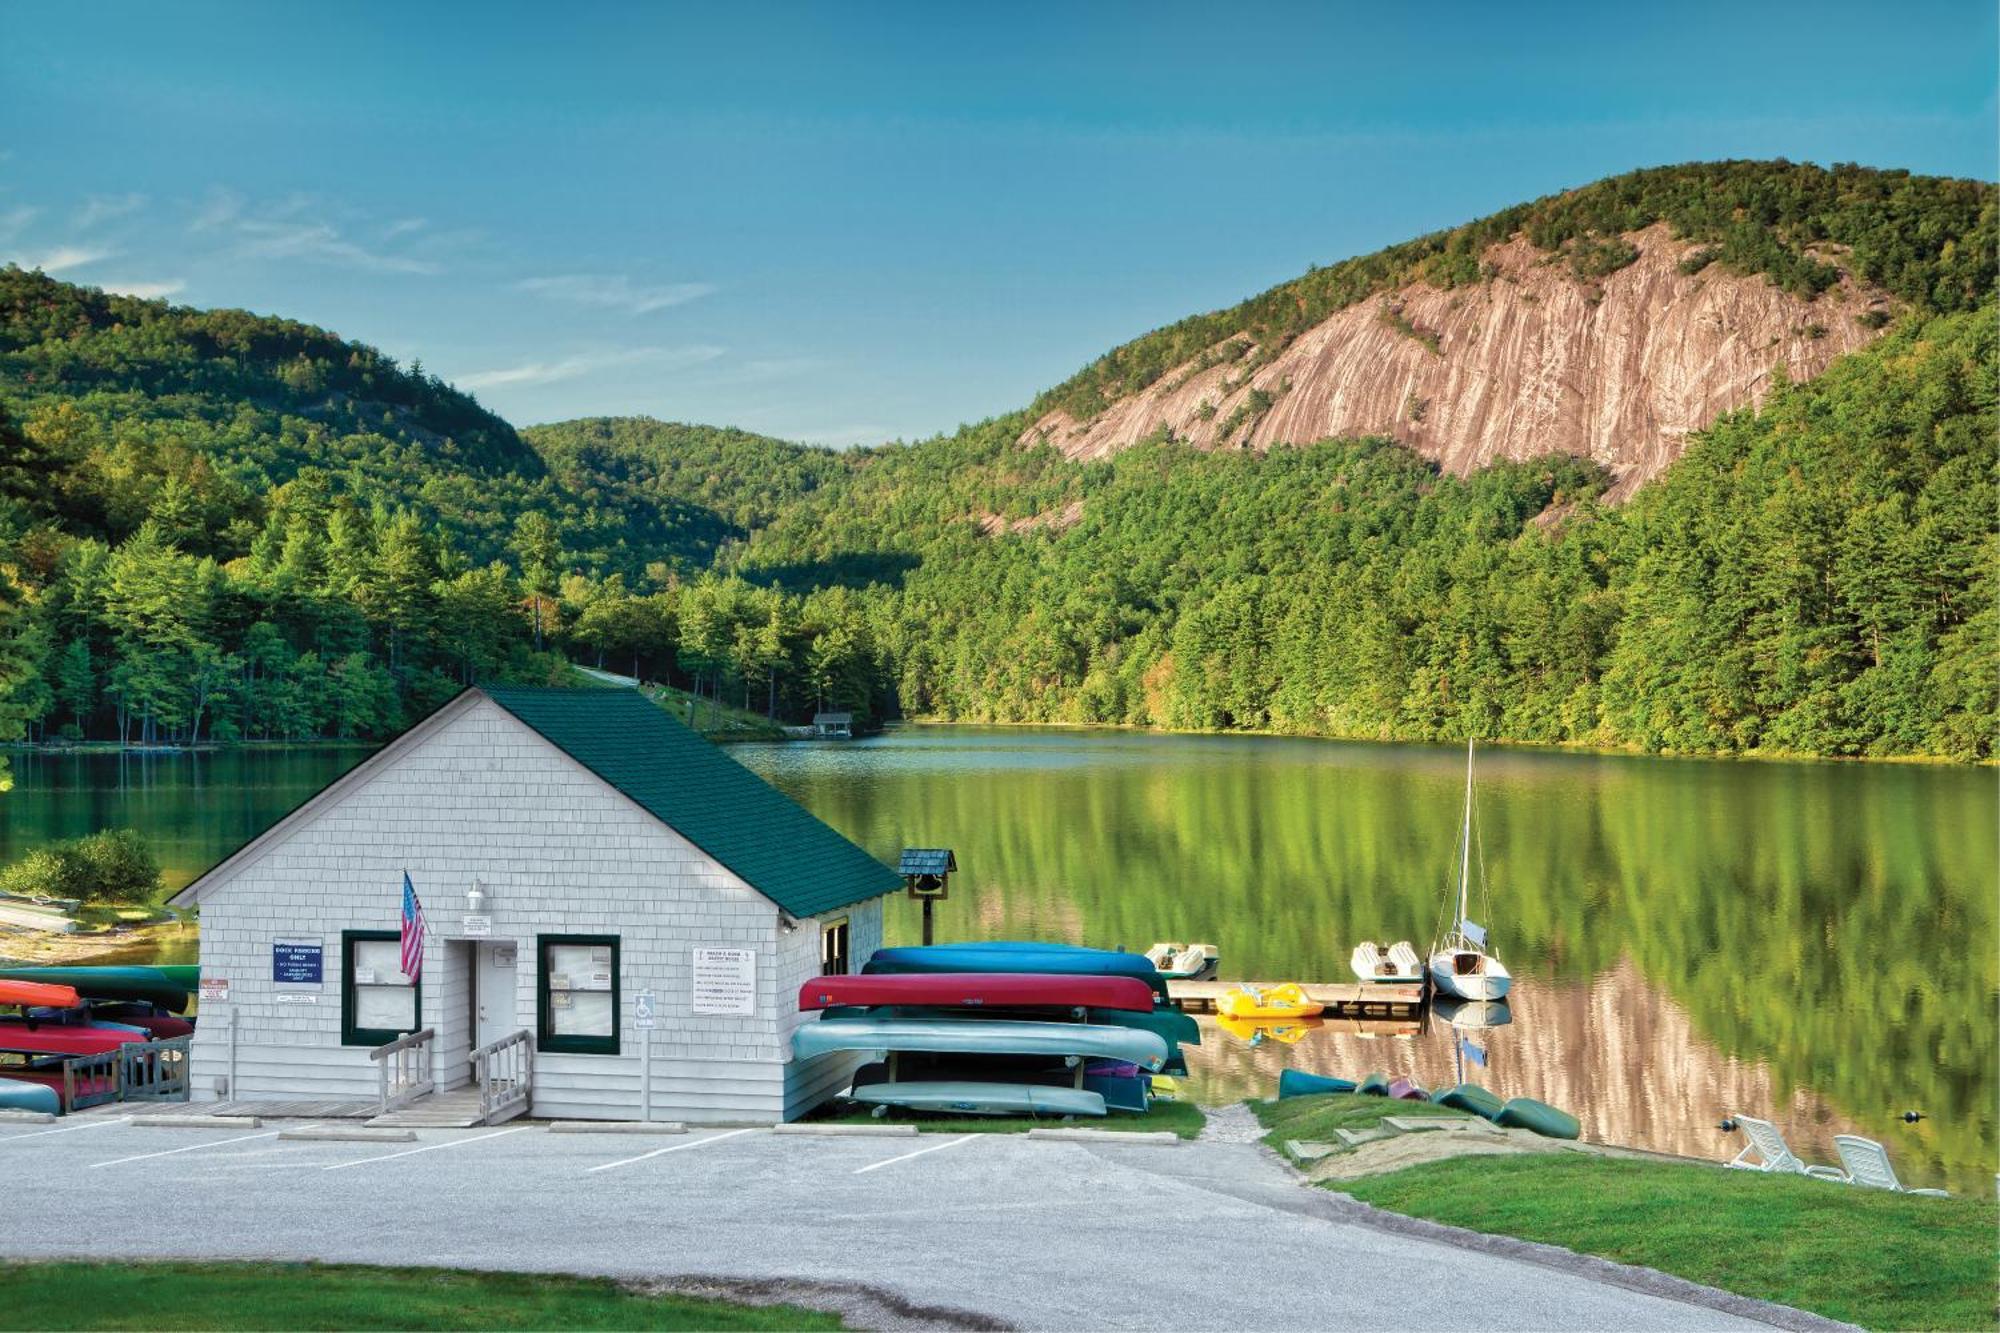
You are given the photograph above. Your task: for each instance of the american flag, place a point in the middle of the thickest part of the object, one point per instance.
(413, 930)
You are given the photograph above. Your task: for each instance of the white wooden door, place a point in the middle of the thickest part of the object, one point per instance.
(499, 1000)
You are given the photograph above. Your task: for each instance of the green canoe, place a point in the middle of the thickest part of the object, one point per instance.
(1374, 1085)
(149, 984)
(1545, 1120)
(1468, 1097)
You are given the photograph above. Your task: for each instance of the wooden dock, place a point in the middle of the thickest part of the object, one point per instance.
(1342, 999)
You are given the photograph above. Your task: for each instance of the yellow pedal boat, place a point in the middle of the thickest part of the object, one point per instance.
(1257, 1031)
(1284, 1001)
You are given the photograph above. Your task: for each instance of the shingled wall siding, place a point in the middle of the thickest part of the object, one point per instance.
(558, 851)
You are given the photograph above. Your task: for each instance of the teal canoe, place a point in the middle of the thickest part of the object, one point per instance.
(1374, 1085)
(18, 1094)
(1298, 1083)
(1468, 1097)
(963, 1097)
(1545, 1120)
(978, 1036)
(150, 984)
(1017, 956)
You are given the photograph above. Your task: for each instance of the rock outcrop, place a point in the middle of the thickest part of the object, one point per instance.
(1532, 360)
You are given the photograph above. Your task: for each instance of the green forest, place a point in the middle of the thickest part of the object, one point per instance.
(216, 526)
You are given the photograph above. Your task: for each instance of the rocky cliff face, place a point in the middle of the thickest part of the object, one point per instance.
(1533, 360)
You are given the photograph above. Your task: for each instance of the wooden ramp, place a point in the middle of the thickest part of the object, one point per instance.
(1343, 999)
(457, 1109)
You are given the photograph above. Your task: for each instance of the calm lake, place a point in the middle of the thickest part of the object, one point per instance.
(1811, 943)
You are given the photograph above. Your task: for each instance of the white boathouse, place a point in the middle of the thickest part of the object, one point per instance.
(618, 919)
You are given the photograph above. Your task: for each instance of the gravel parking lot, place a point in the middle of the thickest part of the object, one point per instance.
(1035, 1233)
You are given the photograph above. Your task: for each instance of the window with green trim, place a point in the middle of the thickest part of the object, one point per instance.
(576, 990)
(378, 1003)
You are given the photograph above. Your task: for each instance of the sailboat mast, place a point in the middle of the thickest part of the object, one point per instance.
(1465, 839)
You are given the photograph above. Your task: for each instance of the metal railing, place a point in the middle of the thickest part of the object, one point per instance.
(505, 1072)
(404, 1066)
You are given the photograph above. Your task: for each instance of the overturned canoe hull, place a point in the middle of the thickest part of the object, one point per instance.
(151, 984)
(979, 1036)
(22, 1095)
(958, 1097)
(1545, 1120)
(1298, 1083)
(1016, 956)
(981, 990)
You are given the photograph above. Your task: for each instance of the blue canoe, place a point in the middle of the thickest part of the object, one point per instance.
(1298, 1083)
(979, 1036)
(1017, 956)
(20, 1095)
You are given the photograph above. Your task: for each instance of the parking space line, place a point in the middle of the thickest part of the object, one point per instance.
(66, 1129)
(678, 1147)
(192, 1147)
(935, 1147)
(428, 1147)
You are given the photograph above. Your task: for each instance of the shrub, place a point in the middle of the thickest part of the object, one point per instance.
(113, 866)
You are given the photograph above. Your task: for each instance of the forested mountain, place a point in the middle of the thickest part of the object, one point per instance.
(217, 525)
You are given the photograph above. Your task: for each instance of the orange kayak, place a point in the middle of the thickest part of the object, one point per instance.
(37, 992)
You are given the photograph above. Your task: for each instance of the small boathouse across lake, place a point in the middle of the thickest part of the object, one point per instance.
(595, 878)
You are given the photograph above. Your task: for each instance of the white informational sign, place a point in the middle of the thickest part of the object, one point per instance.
(642, 1010)
(295, 997)
(478, 927)
(725, 982)
(214, 989)
(503, 955)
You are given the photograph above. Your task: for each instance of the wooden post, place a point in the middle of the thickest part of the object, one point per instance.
(927, 921)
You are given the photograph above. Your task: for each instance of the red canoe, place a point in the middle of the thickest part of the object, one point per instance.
(37, 992)
(997, 990)
(61, 1038)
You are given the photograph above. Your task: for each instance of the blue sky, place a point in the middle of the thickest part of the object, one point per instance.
(849, 223)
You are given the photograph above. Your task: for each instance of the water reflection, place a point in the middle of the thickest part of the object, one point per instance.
(1811, 943)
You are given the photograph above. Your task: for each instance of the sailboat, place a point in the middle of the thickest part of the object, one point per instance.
(1460, 965)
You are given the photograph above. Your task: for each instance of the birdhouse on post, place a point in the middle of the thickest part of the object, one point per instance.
(926, 875)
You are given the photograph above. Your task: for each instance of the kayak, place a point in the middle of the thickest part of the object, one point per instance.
(1171, 1025)
(185, 975)
(1543, 1119)
(1298, 1083)
(1004, 990)
(126, 1018)
(37, 992)
(1374, 1085)
(964, 1097)
(1468, 1097)
(1283, 1001)
(62, 1038)
(1016, 956)
(978, 1036)
(150, 984)
(22, 1095)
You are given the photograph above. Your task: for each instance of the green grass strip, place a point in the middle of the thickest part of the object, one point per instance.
(283, 1296)
(1865, 1256)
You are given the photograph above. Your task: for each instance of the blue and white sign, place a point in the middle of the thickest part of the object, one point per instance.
(297, 962)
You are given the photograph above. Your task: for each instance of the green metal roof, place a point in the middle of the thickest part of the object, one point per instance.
(767, 839)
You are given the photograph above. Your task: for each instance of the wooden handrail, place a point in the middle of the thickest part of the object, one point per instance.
(404, 1042)
(494, 1045)
(505, 1072)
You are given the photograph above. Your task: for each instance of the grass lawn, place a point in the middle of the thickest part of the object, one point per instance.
(226, 1296)
(1317, 1117)
(1864, 1256)
(1182, 1118)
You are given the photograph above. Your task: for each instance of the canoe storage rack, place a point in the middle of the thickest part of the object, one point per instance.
(138, 1071)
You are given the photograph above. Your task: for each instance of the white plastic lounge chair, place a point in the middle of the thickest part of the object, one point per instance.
(1773, 1154)
(1867, 1163)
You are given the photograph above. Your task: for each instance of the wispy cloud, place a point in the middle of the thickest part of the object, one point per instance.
(322, 242)
(148, 291)
(615, 291)
(589, 363)
(102, 208)
(65, 257)
(403, 227)
(15, 221)
(220, 209)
